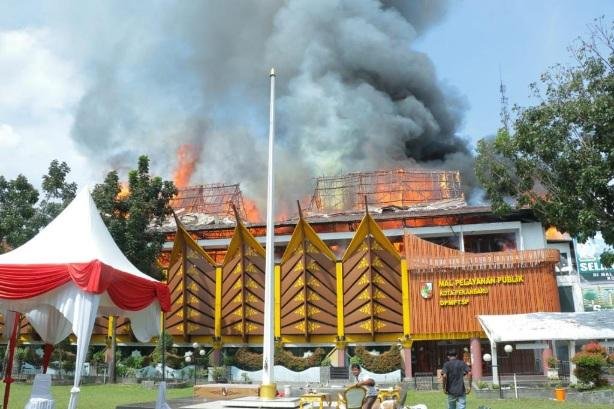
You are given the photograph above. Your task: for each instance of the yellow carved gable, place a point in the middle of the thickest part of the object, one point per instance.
(311, 310)
(298, 266)
(311, 249)
(366, 309)
(312, 296)
(364, 295)
(378, 279)
(251, 284)
(364, 263)
(379, 295)
(378, 263)
(300, 311)
(364, 279)
(313, 266)
(377, 323)
(313, 282)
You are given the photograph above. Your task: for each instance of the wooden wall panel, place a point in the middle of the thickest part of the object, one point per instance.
(308, 293)
(372, 290)
(173, 322)
(243, 294)
(537, 292)
(191, 281)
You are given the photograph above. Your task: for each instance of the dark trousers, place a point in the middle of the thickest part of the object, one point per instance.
(369, 401)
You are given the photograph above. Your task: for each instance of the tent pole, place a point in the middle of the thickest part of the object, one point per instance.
(163, 351)
(112, 363)
(9, 364)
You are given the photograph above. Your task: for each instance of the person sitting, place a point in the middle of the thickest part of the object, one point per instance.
(367, 383)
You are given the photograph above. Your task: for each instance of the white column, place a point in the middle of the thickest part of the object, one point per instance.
(572, 351)
(268, 347)
(495, 367)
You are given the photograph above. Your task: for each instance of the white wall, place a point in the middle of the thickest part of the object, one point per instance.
(532, 236)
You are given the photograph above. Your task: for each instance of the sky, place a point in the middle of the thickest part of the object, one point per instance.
(480, 42)
(361, 84)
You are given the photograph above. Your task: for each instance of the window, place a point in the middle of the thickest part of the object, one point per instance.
(485, 243)
(452, 242)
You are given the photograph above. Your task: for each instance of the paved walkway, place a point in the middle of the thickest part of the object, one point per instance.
(182, 403)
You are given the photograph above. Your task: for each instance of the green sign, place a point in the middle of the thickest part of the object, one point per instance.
(588, 259)
(592, 270)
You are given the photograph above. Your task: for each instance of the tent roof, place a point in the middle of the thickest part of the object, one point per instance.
(570, 326)
(77, 235)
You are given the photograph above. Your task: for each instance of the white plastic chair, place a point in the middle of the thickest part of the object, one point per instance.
(41, 398)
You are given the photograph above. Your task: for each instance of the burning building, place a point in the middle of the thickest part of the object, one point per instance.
(375, 258)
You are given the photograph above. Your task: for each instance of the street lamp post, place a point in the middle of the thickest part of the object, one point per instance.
(508, 350)
(495, 369)
(488, 358)
(189, 356)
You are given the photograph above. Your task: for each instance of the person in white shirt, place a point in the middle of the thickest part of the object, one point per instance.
(367, 383)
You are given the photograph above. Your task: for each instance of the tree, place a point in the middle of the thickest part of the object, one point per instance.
(58, 194)
(17, 208)
(134, 213)
(20, 215)
(557, 158)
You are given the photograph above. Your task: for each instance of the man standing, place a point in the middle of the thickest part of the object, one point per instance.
(367, 383)
(454, 372)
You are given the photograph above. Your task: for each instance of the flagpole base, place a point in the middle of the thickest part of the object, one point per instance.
(268, 391)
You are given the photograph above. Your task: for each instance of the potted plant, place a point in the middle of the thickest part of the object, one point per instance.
(553, 372)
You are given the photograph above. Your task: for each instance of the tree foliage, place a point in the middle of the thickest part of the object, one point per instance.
(21, 213)
(133, 212)
(557, 156)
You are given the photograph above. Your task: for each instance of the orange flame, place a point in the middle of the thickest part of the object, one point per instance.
(251, 211)
(187, 158)
(124, 190)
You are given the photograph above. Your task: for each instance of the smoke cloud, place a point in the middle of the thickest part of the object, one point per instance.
(352, 95)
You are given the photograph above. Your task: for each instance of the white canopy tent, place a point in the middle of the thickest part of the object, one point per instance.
(71, 272)
(547, 326)
(563, 326)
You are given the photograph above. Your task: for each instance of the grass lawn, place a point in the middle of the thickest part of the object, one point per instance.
(437, 400)
(94, 396)
(109, 396)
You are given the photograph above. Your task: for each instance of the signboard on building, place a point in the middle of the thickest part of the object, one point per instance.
(598, 297)
(588, 258)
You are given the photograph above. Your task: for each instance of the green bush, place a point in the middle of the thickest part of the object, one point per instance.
(355, 360)
(252, 361)
(247, 360)
(134, 362)
(383, 363)
(121, 370)
(590, 365)
(294, 363)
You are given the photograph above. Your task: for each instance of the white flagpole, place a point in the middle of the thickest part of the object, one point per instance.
(268, 388)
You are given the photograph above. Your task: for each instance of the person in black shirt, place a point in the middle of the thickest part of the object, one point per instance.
(454, 372)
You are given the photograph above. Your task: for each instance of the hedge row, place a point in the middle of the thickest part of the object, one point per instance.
(252, 361)
(388, 361)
